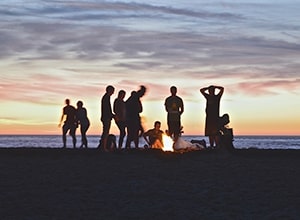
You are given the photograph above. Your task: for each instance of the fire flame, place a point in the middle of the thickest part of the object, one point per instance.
(168, 143)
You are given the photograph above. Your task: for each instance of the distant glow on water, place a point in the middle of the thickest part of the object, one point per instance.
(267, 142)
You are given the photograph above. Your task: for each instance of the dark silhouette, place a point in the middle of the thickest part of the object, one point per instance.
(70, 123)
(141, 92)
(120, 116)
(111, 142)
(153, 136)
(133, 120)
(174, 107)
(106, 116)
(84, 122)
(212, 127)
(226, 133)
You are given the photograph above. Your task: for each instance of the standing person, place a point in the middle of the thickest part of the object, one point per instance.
(174, 107)
(84, 122)
(133, 109)
(141, 92)
(70, 123)
(212, 110)
(153, 136)
(106, 116)
(120, 116)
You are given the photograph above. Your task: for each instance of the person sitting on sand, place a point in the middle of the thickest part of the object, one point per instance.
(111, 142)
(153, 137)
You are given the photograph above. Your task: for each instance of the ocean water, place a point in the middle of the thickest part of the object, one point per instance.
(55, 141)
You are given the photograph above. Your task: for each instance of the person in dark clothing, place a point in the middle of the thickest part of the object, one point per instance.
(106, 116)
(84, 122)
(120, 116)
(212, 127)
(70, 123)
(174, 107)
(133, 120)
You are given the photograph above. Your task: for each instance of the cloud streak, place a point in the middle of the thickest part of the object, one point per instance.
(50, 50)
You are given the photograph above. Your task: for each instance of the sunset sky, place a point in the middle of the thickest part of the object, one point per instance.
(53, 50)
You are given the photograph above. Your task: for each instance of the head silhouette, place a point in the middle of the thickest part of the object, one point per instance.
(211, 90)
(67, 101)
(79, 104)
(110, 90)
(141, 92)
(157, 125)
(173, 90)
(121, 94)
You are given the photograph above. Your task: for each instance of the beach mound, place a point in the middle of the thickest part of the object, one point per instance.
(147, 184)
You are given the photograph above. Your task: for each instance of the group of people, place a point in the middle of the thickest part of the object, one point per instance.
(74, 117)
(126, 115)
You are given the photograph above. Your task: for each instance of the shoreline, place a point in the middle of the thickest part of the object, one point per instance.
(239, 142)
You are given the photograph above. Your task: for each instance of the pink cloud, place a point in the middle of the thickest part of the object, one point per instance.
(42, 88)
(266, 87)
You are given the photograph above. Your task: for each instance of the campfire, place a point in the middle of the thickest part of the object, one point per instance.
(168, 143)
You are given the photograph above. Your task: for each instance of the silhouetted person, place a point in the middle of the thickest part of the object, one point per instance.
(84, 122)
(174, 107)
(120, 116)
(70, 123)
(133, 120)
(212, 126)
(226, 133)
(141, 92)
(106, 116)
(153, 136)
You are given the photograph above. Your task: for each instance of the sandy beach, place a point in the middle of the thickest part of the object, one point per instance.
(147, 184)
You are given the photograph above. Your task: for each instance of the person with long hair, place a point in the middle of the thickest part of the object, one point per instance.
(84, 123)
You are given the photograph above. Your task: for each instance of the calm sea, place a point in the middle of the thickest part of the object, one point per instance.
(55, 141)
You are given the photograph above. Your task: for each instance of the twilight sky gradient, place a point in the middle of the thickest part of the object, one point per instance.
(52, 50)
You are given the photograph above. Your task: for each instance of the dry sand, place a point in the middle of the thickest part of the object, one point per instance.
(140, 184)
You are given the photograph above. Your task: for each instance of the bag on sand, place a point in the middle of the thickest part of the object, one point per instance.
(181, 144)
